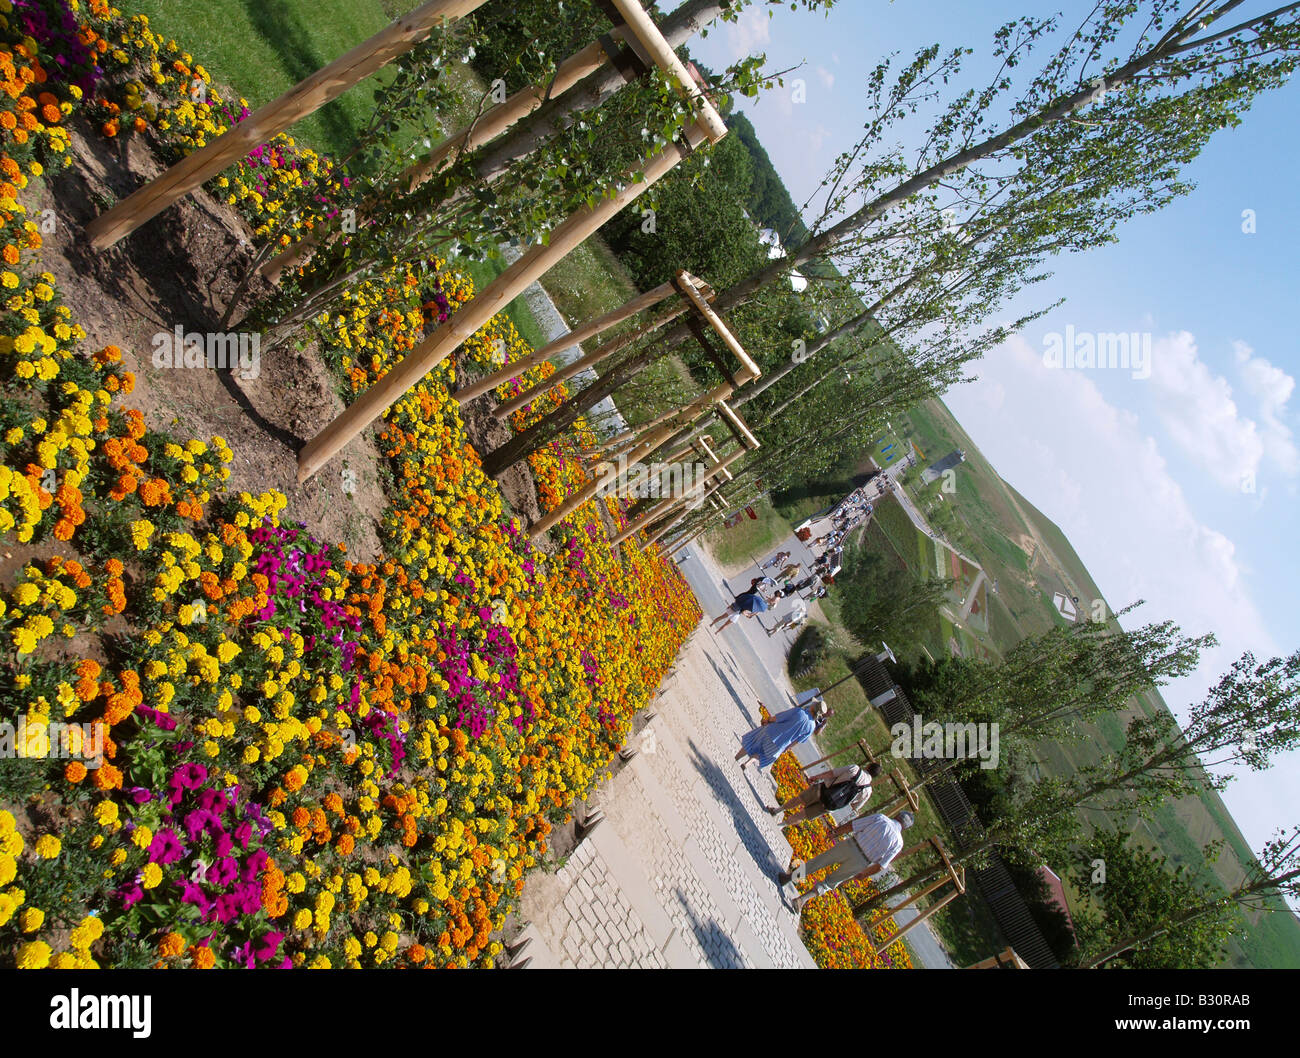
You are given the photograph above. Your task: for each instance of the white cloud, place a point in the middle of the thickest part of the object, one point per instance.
(1272, 389)
(1198, 412)
(1092, 467)
(826, 77)
(1096, 471)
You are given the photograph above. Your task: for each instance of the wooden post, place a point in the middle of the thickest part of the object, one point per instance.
(574, 337)
(1007, 959)
(535, 263)
(868, 755)
(669, 526)
(688, 414)
(642, 27)
(576, 367)
(306, 97)
(494, 121)
(615, 445)
(906, 794)
(931, 910)
(661, 509)
(677, 545)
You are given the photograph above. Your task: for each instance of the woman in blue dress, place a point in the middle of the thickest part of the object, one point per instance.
(768, 741)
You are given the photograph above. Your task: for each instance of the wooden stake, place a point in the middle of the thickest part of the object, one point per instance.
(861, 746)
(306, 97)
(573, 337)
(652, 442)
(906, 795)
(751, 370)
(489, 125)
(932, 909)
(661, 509)
(669, 526)
(576, 367)
(644, 29)
(534, 264)
(493, 122)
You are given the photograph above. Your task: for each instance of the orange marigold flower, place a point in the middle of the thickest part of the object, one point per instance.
(107, 777)
(171, 944)
(74, 771)
(201, 958)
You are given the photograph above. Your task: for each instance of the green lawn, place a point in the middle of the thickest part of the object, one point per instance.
(751, 539)
(261, 48)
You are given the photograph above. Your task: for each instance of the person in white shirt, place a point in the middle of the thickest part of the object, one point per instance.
(845, 787)
(797, 616)
(870, 846)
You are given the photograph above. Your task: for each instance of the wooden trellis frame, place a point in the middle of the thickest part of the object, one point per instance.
(574, 337)
(711, 497)
(651, 443)
(590, 360)
(906, 798)
(708, 126)
(953, 874)
(304, 98)
(1007, 959)
(494, 122)
(747, 443)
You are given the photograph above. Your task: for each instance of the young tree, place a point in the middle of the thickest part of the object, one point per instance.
(1097, 136)
(1166, 916)
(1251, 715)
(1139, 906)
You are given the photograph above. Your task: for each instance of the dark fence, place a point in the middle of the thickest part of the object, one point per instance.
(994, 881)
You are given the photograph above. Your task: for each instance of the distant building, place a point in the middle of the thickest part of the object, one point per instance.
(935, 470)
(798, 283)
(1056, 892)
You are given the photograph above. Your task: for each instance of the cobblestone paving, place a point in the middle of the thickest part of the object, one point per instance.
(687, 874)
(600, 929)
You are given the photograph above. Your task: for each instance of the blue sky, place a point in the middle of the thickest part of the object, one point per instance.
(1179, 488)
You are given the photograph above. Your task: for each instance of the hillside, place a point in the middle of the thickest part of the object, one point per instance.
(1031, 559)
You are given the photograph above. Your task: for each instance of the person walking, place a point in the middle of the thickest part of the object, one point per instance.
(749, 604)
(866, 846)
(845, 787)
(776, 560)
(774, 736)
(798, 615)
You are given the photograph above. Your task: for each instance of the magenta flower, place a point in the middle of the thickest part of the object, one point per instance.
(165, 848)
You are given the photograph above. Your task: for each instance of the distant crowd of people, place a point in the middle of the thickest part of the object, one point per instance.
(864, 845)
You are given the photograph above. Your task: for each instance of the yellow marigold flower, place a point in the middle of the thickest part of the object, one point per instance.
(151, 876)
(34, 955)
(48, 846)
(31, 920)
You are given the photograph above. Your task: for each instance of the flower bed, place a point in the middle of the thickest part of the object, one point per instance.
(303, 760)
(837, 940)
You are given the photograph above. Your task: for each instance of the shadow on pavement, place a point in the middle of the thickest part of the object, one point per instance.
(750, 835)
(719, 949)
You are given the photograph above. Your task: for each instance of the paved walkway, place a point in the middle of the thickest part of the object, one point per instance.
(681, 872)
